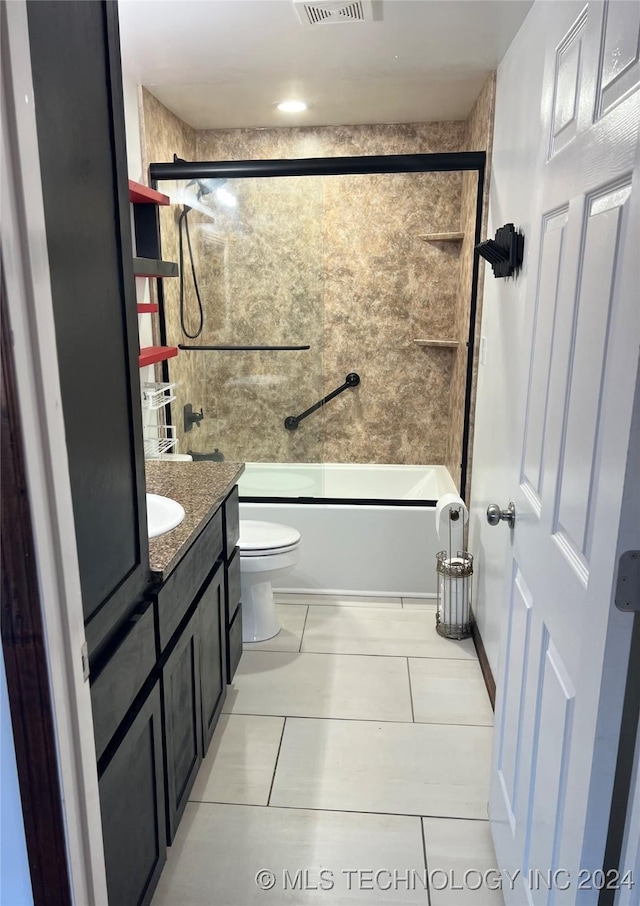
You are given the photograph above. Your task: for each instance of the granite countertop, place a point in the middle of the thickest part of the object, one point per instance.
(201, 488)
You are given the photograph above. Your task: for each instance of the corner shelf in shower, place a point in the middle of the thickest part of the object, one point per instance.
(149, 355)
(139, 194)
(442, 344)
(442, 237)
(152, 267)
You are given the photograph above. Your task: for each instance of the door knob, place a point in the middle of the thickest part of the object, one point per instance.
(496, 515)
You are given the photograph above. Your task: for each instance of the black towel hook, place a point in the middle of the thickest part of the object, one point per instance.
(505, 253)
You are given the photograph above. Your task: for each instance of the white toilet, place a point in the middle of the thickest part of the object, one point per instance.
(268, 550)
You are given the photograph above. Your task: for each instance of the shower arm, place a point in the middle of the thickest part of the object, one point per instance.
(291, 422)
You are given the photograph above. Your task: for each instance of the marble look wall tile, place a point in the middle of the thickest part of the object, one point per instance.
(479, 137)
(329, 141)
(335, 262)
(342, 255)
(267, 288)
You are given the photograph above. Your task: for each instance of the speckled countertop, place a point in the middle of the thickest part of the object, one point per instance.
(201, 488)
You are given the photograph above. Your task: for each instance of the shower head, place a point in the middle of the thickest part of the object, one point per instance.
(204, 186)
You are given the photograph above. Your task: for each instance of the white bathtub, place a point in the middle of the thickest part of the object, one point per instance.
(368, 548)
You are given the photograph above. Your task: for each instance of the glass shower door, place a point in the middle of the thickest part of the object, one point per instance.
(248, 313)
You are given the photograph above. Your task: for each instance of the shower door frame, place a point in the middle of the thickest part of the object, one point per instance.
(348, 166)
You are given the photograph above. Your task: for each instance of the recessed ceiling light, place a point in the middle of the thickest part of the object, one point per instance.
(292, 106)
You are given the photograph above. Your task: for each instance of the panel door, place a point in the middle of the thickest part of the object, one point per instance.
(554, 750)
(183, 720)
(213, 659)
(133, 809)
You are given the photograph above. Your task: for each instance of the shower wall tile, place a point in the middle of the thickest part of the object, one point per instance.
(329, 141)
(478, 137)
(338, 263)
(272, 294)
(335, 262)
(163, 133)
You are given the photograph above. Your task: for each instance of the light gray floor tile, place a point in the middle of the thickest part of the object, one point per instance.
(241, 760)
(420, 604)
(459, 853)
(406, 769)
(321, 685)
(292, 617)
(449, 692)
(402, 632)
(339, 600)
(219, 849)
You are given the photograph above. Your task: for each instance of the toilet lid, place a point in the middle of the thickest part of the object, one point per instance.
(266, 536)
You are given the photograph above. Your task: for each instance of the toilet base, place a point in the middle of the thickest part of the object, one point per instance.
(257, 573)
(259, 617)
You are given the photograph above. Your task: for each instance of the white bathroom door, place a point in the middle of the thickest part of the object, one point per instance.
(563, 644)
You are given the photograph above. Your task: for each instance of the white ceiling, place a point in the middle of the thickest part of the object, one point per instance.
(227, 63)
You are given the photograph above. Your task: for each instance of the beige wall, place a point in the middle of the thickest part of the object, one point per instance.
(336, 262)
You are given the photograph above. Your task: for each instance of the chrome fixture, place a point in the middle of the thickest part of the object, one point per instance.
(496, 515)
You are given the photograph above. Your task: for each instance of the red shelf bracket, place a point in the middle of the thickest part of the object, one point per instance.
(139, 194)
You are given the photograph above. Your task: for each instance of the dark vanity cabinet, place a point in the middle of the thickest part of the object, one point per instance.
(199, 611)
(77, 83)
(129, 734)
(193, 692)
(157, 699)
(158, 652)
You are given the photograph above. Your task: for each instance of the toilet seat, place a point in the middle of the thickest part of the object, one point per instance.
(265, 539)
(269, 551)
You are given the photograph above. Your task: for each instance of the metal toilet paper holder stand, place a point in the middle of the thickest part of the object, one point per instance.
(453, 606)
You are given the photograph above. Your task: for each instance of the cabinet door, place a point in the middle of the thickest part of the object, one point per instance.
(114, 689)
(234, 643)
(213, 655)
(183, 720)
(80, 121)
(133, 809)
(234, 585)
(231, 522)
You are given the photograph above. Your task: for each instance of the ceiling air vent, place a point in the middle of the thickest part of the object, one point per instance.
(333, 12)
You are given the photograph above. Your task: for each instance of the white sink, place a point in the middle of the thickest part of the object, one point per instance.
(163, 514)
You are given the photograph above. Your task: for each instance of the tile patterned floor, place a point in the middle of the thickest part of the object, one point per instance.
(352, 763)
